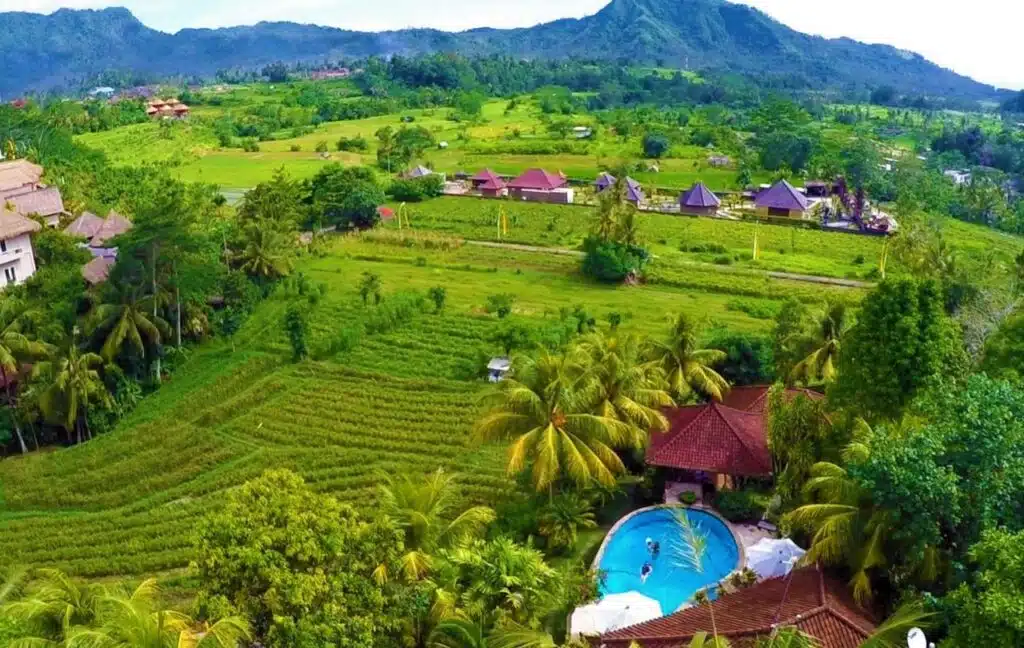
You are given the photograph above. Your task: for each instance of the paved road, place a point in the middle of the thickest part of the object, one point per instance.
(788, 276)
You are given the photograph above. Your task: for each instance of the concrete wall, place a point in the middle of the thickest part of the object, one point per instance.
(17, 258)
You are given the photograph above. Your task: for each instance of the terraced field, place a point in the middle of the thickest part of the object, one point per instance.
(400, 398)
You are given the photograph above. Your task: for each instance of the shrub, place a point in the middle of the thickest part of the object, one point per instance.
(416, 189)
(500, 304)
(438, 295)
(859, 259)
(357, 143)
(723, 260)
(321, 146)
(295, 148)
(297, 327)
(612, 262)
(743, 505)
(688, 498)
(750, 359)
(250, 145)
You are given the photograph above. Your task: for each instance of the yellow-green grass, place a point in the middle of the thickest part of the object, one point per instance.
(403, 400)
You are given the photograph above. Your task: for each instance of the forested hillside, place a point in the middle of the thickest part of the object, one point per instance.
(60, 50)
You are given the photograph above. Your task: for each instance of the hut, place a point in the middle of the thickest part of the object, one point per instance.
(699, 201)
(781, 199)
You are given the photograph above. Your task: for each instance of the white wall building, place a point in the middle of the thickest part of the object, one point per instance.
(17, 261)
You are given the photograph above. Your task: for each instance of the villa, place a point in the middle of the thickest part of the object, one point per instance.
(17, 260)
(170, 109)
(781, 199)
(806, 599)
(45, 203)
(716, 444)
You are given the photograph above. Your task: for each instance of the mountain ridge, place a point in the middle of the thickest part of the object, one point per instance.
(42, 52)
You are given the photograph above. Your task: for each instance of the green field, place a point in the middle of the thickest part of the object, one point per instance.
(403, 399)
(191, 148)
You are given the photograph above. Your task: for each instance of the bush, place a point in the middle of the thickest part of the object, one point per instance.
(745, 505)
(357, 143)
(655, 145)
(321, 146)
(500, 304)
(859, 259)
(295, 148)
(416, 189)
(688, 498)
(250, 145)
(750, 359)
(723, 260)
(612, 262)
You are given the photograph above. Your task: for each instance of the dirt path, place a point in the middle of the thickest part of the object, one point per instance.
(788, 276)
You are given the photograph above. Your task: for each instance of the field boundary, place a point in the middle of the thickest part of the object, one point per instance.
(788, 276)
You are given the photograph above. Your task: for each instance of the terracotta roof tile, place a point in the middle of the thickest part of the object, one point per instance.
(806, 599)
(713, 438)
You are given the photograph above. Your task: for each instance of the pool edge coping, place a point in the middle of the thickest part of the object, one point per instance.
(741, 550)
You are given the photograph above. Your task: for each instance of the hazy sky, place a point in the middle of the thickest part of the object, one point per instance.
(980, 38)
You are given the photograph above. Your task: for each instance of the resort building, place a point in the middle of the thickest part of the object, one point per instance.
(634, 192)
(169, 109)
(490, 184)
(806, 599)
(781, 199)
(540, 186)
(17, 261)
(714, 444)
(699, 201)
(19, 177)
(46, 203)
(98, 232)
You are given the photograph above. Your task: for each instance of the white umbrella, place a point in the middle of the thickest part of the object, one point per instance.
(612, 612)
(772, 558)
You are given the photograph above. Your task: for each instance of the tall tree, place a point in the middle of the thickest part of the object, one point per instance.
(15, 349)
(126, 317)
(687, 367)
(263, 251)
(54, 607)
(820, 366)
(427, 512)
(555, 435)
(71, 385)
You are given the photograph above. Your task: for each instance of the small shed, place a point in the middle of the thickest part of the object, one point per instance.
(498, 369)
(582, 132)
(699, 201)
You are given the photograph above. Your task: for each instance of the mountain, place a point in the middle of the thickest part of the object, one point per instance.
(42, 52)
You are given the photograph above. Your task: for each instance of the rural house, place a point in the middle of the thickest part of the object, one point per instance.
(170, 109)
(538, 185)
(634, 192)
(699, 201)
(781, 199)
(806, 599)
(489, 184)
(45, 203)
(19, 177)
(17, 261)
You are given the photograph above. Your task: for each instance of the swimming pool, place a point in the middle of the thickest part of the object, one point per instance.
(670, 582)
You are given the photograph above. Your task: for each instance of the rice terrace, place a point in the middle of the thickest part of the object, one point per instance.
(507, 349)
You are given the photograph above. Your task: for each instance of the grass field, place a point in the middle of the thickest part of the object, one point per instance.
(402, 399)
(192, 148)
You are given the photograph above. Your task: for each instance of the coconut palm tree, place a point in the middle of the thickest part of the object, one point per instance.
(70, 384)
(561, 520)
(128, 317)
(134, 620)
(425, 510)
(622, 385)
(54, 608)
(15, 348)
(820, 366)
(893, 632)
(264, 252)
(688, 368)
(12, 583)
(555, 434)
(462, 632)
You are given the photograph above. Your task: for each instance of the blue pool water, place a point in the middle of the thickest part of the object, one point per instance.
(670, 583)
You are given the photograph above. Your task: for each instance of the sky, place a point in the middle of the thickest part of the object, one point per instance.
(980, 38)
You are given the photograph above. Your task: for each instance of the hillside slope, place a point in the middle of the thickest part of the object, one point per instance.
(43, 52)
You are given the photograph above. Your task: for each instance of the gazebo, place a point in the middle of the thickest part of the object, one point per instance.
(781, 199)
(699, 201)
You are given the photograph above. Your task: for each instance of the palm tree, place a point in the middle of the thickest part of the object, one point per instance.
(624, 387)
(554, 433)
(703, 640)
(688, 368)
(134, 620)
(12, 583)
(820, 365)
(424, 511)
(893, 632)
(561, 520)
(15, 348)
(129, 318)
(54, 608)
(71, 383)
(462, 632)
(264, 252)
(787, 637)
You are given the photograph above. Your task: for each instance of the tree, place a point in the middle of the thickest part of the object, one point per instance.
(297, 327)
(790, 342)
(359, 209)
(655, 145)
(563, 517)
(893, 631)
(515, 335)
(688, 368)
(500, 304)
(459, 631)
(370, 286)
(264, 254)
(554, 435)
(987, 610)
(278, 201)
(15, 348)
(612, 261)
(299, 565)
(883, 95)
(621, 384)
(798, 437)
(749, 359)
(125, 317)
(342, 196)
(71, 384)
(438, 295)
(820, 366)
(54, 607)
(426, 512)
(902, 342)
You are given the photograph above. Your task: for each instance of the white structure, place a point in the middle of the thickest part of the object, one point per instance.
(582, 132)
(17, 262)
(498, 369)
(613, 612)
(773, 558)
(959, 178)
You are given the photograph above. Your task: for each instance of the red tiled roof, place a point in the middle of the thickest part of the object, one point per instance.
(713, 438)
(754, 398)
(486, 176)
(538, 179)
(807, 599)
(386, 213)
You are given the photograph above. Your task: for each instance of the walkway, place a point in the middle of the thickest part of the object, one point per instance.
(788, 276)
